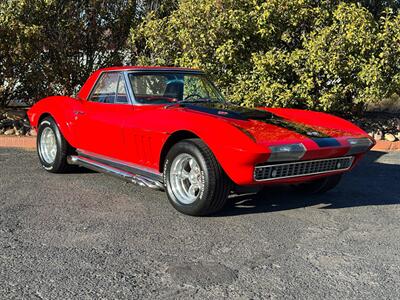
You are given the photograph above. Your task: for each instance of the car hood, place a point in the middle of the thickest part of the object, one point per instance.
(268, 127)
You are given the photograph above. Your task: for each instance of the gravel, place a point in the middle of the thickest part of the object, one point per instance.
(87, 235)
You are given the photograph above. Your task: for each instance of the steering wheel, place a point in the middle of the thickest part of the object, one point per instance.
(191, 96)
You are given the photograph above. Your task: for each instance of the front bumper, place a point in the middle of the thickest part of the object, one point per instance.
(246, 168)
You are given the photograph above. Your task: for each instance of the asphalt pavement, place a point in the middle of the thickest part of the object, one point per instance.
(87, 235)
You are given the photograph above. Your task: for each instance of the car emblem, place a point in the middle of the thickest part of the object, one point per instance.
(220, 112)
(313, 133)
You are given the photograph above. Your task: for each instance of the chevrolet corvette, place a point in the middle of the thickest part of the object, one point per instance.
(171, 129)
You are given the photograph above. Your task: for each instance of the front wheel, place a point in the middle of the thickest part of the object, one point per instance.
(195, 182)
(318, 186)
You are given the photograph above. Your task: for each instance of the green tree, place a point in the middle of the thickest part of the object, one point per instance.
(339, 67)
(325, 55)
(51, 47)
(213, 35)
(15, 50)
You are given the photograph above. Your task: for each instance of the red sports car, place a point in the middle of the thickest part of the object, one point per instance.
(171, 129)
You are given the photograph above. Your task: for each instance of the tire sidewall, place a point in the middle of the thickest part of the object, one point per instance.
(201, 202)
(49, 122)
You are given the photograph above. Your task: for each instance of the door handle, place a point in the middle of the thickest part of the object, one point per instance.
(78, 112)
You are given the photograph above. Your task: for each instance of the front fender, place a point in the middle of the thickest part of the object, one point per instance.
(233, 149)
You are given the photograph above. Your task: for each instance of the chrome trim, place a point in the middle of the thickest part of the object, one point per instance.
(151, 71)
(165, 70)
(122, 165)
(132, 98)
(127, 176)
(303, 162)
(97, 81)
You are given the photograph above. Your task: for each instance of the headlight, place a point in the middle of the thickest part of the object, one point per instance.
(359, 145)
(287, 152)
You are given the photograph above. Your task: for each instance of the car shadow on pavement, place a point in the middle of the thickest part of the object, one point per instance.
(78, 170)
(373, 181)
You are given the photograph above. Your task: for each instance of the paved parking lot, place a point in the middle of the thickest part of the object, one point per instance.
(88, 235)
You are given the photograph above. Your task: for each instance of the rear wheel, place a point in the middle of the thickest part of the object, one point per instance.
(52, 147)
(318, 186)
(194, 180)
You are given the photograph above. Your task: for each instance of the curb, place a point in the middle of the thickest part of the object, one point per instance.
(29, 142)
(25, 142)
(386, 146)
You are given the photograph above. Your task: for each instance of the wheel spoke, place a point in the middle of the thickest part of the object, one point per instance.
(192, 163)
(184, 174)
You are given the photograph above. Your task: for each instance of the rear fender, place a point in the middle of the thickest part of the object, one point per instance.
(61, 109)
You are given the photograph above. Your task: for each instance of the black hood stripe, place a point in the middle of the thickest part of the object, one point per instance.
(322, 139)
(231, 111)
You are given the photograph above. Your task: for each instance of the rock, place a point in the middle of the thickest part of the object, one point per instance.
(397, 135)
(371, 134)
(390, 137)
(9, 131)
(32, 132)
(378, 135)
(18, 132)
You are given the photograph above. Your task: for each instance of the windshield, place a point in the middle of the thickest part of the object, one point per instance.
(164, 87)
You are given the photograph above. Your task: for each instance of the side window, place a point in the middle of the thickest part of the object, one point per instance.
(121, 90)
(105, 89)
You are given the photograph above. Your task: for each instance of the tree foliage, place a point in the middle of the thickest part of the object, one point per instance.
(325, 55)
(51, 46)
(328, 55)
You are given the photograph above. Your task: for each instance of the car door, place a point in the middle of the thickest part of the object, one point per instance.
(101, 118)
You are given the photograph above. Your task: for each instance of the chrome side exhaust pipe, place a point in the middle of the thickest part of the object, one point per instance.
(103, 168)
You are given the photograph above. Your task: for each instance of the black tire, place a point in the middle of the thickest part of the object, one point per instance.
(318, 186)
(59, 165)
(216, 184)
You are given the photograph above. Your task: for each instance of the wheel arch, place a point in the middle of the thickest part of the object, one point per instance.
(60, 127)
(43, 116)
(174, 138)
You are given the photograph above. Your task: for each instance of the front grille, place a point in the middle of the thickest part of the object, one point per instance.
(302, 168)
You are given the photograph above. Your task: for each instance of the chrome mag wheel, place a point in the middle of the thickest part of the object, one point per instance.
(48, 145)
(185, 178)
